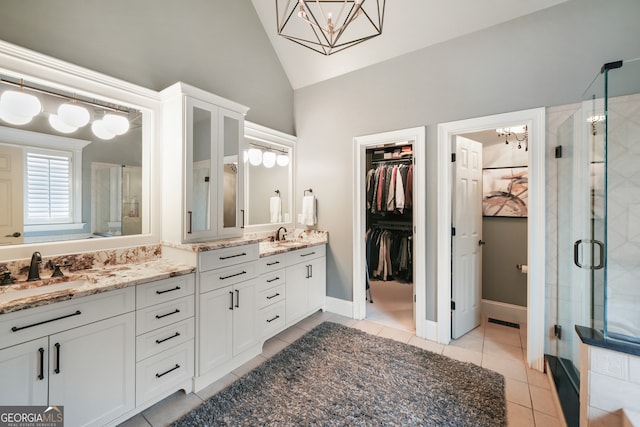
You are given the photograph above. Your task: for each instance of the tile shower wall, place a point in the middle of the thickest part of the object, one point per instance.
(623, 216)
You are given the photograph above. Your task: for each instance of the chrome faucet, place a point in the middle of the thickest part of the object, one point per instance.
(278, 238)
(34, 270)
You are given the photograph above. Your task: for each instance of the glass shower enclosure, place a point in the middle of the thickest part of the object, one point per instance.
(598, 216)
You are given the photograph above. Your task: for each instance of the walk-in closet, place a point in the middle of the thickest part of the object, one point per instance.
(389, 235)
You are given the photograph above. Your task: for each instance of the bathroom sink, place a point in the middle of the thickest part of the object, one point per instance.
(35, 289)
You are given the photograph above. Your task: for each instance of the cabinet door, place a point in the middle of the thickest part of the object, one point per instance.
(317, 283)
(297, 292)
(216, 318)
(200, 177)
(244, 317)
(24, 373)
(92, 371)
(230, 173)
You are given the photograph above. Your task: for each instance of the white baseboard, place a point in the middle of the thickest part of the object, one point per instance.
(339, 306)
(431, 330)
(503, 311)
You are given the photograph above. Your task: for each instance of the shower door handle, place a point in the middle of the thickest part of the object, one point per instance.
(576, 254)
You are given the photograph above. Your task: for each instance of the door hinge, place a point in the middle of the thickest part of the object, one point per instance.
(206, 179)
(558, 153)
(414, 297)
(453, 157)
(453, 231)
(557, 331)
(453, 305)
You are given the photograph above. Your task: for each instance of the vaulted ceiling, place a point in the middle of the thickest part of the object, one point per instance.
(409, 25)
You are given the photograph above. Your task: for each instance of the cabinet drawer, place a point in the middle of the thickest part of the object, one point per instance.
(160, 374)
(271, 320)
(32, 323)
(157, 316)
(216, 279)
(209, 260)
(162, 339)
(164, 290)
(271, 279)
(306, 254)
(271, 263)
(270, 296)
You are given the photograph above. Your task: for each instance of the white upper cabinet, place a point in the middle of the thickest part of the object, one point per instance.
(203, 176)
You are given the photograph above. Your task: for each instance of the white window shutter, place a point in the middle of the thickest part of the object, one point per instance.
(48, 188)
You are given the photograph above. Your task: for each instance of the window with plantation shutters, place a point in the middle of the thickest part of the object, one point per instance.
(48, 187)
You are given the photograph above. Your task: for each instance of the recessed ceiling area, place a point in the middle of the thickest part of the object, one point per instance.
(409, 25)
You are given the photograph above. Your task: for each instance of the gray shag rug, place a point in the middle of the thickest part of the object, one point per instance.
(340, 376)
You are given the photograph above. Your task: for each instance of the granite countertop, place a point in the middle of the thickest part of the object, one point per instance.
(23, 295)
(215, 244)
(300, 241)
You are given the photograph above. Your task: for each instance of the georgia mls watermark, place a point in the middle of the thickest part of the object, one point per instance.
(31, 416)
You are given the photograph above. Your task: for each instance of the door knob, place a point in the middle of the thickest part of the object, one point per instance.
(481, 242)
(16, 234)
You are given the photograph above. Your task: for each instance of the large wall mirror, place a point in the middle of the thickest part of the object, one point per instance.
(75, 157)
(269, 187)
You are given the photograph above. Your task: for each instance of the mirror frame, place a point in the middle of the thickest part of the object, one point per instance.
(270, 136)
(40, 69)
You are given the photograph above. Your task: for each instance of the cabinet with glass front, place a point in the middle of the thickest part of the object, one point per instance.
(203, 177)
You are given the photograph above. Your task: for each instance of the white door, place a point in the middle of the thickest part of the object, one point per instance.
(245, 333)
(216, 323)
(11, 198)
(466, 286)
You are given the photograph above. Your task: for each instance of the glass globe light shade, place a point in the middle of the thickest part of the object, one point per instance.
(73, 115)
(282, 160)
(13, 118)
(269, 159)
(115, 123)
(255, 156)
(97, 127)
(60, 125)
(20, 103)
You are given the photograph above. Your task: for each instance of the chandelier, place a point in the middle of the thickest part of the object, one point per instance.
(329, 26)
(514, 132)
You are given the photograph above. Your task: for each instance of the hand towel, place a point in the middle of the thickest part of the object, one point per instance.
(275, 209)
(309, 216)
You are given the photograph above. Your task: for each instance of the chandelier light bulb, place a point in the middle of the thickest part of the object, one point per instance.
(269, 159)
(17, 103)
(98, 129)
(282, 160)
(255, 156)
(60, 125)
(116, 123)
(73, 115)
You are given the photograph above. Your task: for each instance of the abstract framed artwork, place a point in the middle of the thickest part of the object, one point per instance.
(505, 191)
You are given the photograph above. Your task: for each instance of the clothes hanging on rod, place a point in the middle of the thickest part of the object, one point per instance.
(390, 187)
(389, 253)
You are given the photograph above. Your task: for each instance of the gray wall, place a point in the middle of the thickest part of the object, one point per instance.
(547, 58)
(215, 45)
(506, 246)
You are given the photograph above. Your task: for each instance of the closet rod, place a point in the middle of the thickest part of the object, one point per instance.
(375, 162)
(407, 227)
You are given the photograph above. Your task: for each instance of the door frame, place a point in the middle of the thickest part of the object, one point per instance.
(361, 143)
(536, 224)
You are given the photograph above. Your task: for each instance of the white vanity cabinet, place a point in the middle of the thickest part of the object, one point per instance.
(305, 282)
(227, 308)
(202, 165)
(165, 329)
(271, 295)
(76, 353)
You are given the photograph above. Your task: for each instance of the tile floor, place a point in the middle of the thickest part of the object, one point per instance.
(496, 347)
(392, 304)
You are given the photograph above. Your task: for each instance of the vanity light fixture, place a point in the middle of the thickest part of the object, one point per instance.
(329, 26)
(282, 160)
(60, 125)
(269, 159)
(99, 130)
(255, 156)
(18, 107)
(514, 131)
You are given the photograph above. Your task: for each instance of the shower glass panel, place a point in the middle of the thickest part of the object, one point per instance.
(116, 203)
(620, 295)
